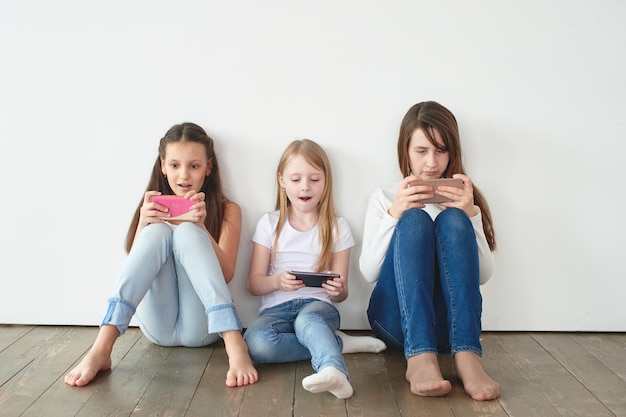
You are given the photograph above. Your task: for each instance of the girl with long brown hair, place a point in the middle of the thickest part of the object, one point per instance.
(176, 273)
(429, 259)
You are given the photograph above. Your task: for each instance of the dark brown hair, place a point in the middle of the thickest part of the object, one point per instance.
(212, 187)
(430, 116)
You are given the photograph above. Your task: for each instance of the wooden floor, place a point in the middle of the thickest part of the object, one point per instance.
(542, 374)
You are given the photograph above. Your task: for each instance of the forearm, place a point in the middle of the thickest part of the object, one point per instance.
(227, 263)
(259, 284)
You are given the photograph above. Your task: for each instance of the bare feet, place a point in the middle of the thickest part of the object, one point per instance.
(241, 371)
(424, 376)
(476, 382)
(98, 359)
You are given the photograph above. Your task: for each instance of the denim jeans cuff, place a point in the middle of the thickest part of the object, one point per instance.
(222, 318)
(474, 349)
(339, 366)
(119, 312)
(414, 352)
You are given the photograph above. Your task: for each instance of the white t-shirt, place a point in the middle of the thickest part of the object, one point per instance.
(380, 225)
(297, 251)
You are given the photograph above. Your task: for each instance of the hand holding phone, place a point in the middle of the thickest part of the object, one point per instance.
(438, 198)
(314, 279)
(178, 207)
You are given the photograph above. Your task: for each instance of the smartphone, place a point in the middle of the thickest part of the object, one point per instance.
(437, 198)
(314, 279)
(178, 207)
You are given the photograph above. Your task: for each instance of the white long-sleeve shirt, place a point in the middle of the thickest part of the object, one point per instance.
(380, 225)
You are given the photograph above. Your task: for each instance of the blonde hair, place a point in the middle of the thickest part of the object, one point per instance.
(327, 220)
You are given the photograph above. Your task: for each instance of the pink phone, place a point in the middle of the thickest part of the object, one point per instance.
(437, 198)
(178, 206)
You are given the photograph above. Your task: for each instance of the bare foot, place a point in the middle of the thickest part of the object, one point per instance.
(87, 369)
(476, 382)
(98, 359)
(241, 371)
(424, 376)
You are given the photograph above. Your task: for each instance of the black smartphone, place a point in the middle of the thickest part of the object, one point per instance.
(314, 279)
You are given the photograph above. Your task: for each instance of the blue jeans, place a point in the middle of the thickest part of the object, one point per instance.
(427, 297)
(297, 330)
(173, 281)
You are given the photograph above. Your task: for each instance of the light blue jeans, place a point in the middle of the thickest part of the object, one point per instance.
(296, 330)
(173, 281)
(427, 297)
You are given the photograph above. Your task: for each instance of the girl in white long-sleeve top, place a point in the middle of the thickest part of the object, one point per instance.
(429, 259)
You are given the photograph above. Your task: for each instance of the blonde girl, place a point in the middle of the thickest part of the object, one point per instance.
(297, 322)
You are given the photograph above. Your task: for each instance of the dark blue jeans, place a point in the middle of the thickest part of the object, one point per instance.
(427, 297)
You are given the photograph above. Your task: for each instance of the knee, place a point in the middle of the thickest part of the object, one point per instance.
(414, 216)
(414, 229)
(154, 236)
(157, 231)
(185, 231)
(453, 219)
(189, 235)
(305, 321)
(323, 315)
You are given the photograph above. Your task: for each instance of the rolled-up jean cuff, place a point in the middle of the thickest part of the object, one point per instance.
(474, 349)
(222, 318)
(119, 313)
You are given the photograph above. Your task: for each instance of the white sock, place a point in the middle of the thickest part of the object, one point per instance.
(329, 379)
(360, 344)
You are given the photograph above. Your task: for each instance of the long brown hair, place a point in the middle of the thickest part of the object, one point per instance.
(326, 219)
(212, 187)
(430, 116)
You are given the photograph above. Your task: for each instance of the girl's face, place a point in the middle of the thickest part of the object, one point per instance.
(303, 183)
(186, 166)
(427, 161)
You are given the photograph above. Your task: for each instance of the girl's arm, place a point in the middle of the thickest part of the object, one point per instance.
(226, 248)
(337, 289)
(259, 283)
(377, 233)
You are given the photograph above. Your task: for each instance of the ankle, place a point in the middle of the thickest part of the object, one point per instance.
(467, 359)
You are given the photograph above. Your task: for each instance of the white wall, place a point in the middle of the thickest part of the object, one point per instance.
(538, 87)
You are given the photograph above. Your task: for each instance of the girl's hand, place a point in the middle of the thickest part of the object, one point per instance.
(334, 287)
(149, 210)
(199, 208)
(462, 198)
(409, 196)
(288, 282)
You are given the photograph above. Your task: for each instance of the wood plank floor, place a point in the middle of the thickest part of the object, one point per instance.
(542, 374)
